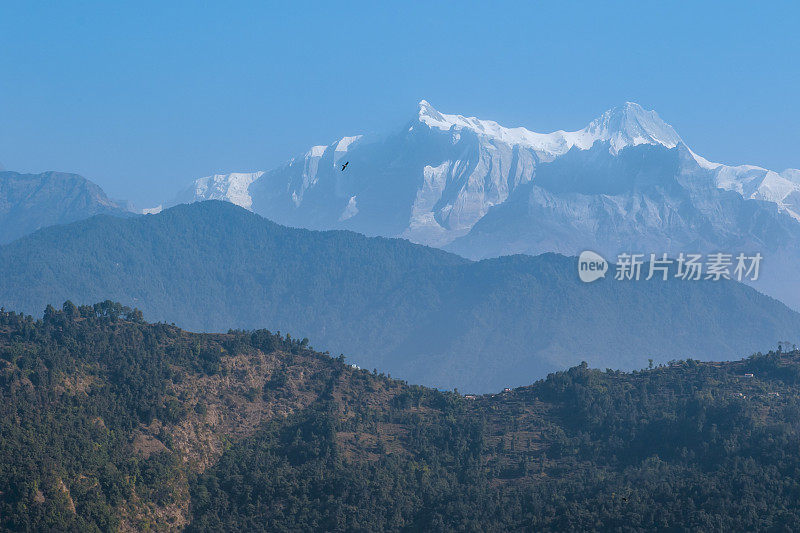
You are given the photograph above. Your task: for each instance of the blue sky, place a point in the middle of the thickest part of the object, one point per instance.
(142, 97)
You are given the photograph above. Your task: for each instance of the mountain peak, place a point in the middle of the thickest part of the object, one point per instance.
(628, 124)
(631, 111)
(430, 116)
(631, 124)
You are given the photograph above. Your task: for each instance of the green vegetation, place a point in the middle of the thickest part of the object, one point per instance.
(108, 422)
(421, 314)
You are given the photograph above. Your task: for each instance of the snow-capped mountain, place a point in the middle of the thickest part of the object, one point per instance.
(627, 125)
(232, 187)
(625, 182)
(450, 168)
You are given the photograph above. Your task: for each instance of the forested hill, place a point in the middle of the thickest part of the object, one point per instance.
(111, 423)
(421, 314)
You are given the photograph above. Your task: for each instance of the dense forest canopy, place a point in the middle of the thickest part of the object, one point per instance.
(424, 315)
(108, 422)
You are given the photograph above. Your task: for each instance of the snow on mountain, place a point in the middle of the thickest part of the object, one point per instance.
(231, 187)
(450, 170)
(626, 180)
(626, 125)
(792, 175)
(435, 178)
(758, 183)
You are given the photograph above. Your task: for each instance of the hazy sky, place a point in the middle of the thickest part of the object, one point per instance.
(142, 97)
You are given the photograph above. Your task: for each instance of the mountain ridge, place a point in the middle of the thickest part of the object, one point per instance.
(31, 201)
(625, 125)
(113, 423)
(418, 312)
(464, 184)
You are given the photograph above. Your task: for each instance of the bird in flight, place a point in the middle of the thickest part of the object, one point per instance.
(345, 165)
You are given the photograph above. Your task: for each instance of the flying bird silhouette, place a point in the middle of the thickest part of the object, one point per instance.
(345, 165)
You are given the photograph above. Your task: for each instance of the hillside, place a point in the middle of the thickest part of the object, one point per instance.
(32, 201)
(111, 423)
(418, 313)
